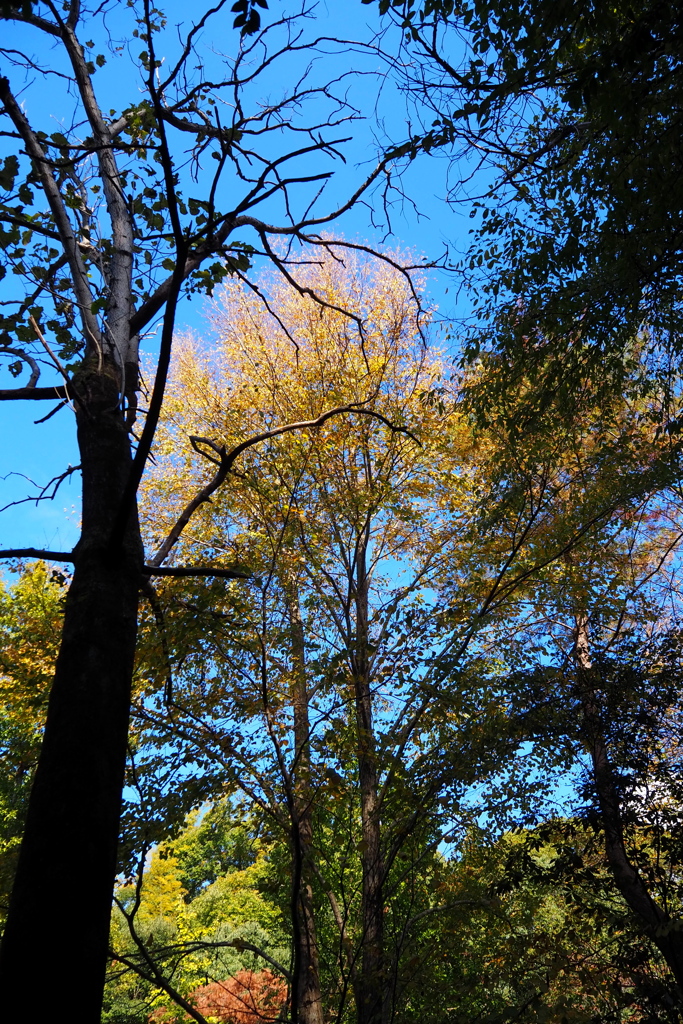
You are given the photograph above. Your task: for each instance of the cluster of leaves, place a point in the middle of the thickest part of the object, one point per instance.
(480, 548)
(421, 579)
(30, 622)
(530, 926)
(578, 240)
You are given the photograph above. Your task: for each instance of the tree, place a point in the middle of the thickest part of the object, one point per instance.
(553, 939)
(577, 255)
(103, 227)
(632, 750)
(353, 687)
(574, 115)
(243, 999)
(300, 360)
(601, 666)
(105, 224)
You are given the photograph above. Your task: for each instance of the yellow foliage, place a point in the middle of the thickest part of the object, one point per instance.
(264, 369)
(163, 895)
(30, 627)
(234, 900)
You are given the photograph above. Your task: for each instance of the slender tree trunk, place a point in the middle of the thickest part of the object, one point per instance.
(307, 974)
(372, 982)
(56, 940)
(371, 997)
(628, 880)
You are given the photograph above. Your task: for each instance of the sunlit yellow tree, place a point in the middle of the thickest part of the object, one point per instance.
(348, 687)
(344, 528)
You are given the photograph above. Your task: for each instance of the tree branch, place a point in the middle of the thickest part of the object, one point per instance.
(24, 222)
(49, 556)
(154, 974)
(197, 944)
(296, 229)
(191, 570)
(54, 197)
(119, 273)
(154, 303)
(226, 460)
(59, 391)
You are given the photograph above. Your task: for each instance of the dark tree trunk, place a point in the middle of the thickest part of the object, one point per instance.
(372, 985)
(307, 974)
(55, 944)
(370, 988)
(657, 923)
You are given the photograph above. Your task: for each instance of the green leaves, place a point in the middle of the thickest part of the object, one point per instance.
(248, 15)
(581, 234)
(8, 172)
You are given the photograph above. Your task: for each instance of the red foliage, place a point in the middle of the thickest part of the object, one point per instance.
(249, 997)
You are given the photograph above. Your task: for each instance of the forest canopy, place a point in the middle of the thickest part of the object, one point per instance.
(359, 697)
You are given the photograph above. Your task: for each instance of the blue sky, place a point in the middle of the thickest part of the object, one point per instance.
(424, 223)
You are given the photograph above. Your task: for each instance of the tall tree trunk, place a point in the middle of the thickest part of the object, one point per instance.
(54, 939)
(628, 880)
(371, 994)
(307, 993)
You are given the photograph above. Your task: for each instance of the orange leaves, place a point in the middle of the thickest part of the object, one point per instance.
(249, 997)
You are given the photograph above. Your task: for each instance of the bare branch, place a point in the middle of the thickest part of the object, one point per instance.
(51, 413)
(225, 461)
(44, 492)
(33, 19)
(49, 556)
(196, 945)
(35, 394)
(295, 229)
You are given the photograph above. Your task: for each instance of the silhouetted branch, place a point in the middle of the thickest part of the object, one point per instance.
(225, 461)
(44, 493)
(50, 556)
(34, 394)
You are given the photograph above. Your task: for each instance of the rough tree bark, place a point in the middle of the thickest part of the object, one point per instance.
(74, 808)
(73, 817)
